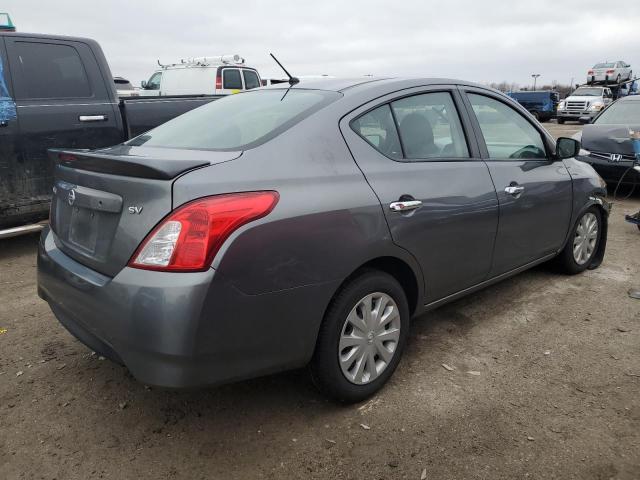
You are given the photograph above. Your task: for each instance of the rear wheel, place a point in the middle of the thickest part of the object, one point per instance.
(362, 337)
(560, 120)
(583, 244)
(618, 78)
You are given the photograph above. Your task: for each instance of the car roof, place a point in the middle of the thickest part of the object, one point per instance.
(630, 98)
(362, 83)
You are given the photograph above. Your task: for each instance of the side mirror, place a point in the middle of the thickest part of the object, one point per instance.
(567, 148)
(143, 84)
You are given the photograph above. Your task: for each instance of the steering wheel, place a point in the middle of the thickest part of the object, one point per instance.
(526, 152)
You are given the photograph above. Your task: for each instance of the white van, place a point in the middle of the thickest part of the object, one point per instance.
(220, 75)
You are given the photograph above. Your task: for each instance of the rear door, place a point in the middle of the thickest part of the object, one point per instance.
(251, 79)
(421, 159)
(534, 192)
(12, 188)
(62, 101)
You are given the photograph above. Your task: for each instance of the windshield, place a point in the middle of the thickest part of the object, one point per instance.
(604, 65)
(627, 113)
(237, 122)
(587, 92)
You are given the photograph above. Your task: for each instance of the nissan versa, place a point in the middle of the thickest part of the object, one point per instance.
(297, 226)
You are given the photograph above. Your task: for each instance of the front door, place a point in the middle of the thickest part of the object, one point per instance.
(419, 156)
(534, 191)
(11, 164)
(62, 102)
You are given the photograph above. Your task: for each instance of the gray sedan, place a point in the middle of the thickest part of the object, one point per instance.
(306, 226)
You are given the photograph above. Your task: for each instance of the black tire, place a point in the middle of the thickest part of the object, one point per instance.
(560, 121)
(565, 261)
(536, 115)
(325, 369)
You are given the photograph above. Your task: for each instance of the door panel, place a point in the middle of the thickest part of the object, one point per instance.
(452, 232)
(11, 164)
(62, 101)
(534, 192)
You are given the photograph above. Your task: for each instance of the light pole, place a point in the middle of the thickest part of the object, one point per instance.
(535, 77)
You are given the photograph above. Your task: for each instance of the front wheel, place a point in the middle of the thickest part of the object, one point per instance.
(583, 244)
(362, 337)
(560, 120)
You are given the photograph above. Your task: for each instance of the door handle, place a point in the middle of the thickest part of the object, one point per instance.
(92, 118)
(405, 206)
(514, 190)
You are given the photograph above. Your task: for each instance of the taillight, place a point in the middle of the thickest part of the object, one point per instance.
(590, 72)
(218, 82)
(189, 238)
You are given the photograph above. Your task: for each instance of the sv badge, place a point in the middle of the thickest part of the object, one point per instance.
(135, 210)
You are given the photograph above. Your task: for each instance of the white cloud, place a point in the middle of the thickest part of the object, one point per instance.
(473, 40)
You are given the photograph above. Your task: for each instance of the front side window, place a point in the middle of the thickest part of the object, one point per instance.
(231, 79)
(154, 81)
(378, 128)
(429, 127)
(237, 122)
(250, 79)
(51, 71)
(507, 134)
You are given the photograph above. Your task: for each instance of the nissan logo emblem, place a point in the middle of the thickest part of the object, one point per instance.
(72, 197)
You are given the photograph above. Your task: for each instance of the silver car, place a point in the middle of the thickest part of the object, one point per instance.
(610, 72)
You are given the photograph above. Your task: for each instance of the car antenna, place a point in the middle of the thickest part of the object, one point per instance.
(292, 80)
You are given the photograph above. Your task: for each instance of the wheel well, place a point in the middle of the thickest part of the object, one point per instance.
(399, 270)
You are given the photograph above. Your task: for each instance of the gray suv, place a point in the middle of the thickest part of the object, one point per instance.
(306, 226)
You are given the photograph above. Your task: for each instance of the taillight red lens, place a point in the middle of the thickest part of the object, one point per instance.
(218, 82)
(188, 239)
(590, 72)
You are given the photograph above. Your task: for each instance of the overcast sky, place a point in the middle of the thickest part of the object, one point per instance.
(483, 41)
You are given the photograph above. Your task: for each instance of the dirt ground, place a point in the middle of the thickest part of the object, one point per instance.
(546, 384)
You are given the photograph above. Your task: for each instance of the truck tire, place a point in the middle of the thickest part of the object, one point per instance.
(560, 121)
(618, 79)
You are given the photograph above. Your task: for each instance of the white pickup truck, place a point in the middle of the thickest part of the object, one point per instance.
(584, 104)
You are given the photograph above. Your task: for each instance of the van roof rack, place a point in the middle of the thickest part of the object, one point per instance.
(213, 60)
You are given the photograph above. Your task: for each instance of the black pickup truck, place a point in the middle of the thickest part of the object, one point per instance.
(59, 92)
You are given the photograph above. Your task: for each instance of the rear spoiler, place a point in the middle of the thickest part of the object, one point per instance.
(129, 166)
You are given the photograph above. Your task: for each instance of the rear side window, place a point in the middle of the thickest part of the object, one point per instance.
(378, 128)
(237, 122)
(250, 79)
(51, 71)
(507, 134)
(429, 127)
(231, 79)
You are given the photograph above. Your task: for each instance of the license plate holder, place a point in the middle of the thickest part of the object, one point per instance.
(83, 229)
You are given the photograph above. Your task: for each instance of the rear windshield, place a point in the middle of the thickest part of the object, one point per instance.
(237, 122)
(620, 113)
(604, 65)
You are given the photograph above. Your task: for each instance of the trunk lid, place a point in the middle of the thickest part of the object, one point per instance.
(105, 202)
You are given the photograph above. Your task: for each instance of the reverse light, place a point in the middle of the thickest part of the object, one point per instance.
(188, 239)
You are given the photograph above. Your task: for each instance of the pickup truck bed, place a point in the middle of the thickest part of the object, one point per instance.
(58, 92)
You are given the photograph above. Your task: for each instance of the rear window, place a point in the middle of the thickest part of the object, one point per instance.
(237, 122)
(231, 79)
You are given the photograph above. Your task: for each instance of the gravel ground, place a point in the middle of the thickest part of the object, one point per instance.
(545, 384)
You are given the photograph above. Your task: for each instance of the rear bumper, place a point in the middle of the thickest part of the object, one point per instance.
(180, 330)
